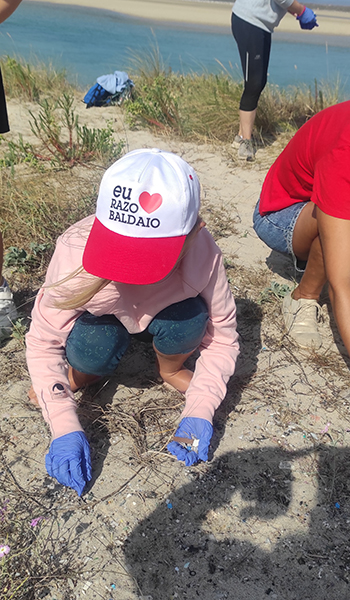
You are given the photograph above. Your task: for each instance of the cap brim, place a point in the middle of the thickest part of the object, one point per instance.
(138, 261)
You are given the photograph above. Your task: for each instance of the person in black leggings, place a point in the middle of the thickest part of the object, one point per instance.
(253, 22)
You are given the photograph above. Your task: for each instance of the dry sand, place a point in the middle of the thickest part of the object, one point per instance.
(217, 14)
(268, 516)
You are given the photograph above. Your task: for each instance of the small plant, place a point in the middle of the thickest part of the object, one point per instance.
(228, 264)
(157, 104)
(98, 142)
(274, 291)
(23, 260)
(18, 152)
(16, 257)
(65, 141)
(19, 330)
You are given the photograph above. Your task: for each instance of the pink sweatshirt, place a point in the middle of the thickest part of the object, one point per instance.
(200, 272)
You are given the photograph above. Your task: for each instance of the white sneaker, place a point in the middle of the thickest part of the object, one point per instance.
(8, 311)
(300, 319)
(246, 150)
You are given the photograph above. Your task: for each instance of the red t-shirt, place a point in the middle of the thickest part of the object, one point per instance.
(315, 166)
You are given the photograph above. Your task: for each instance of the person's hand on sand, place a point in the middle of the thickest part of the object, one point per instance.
(307, 19)
(68, 460)
(199, 433)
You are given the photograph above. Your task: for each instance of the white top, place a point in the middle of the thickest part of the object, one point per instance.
(265, 14)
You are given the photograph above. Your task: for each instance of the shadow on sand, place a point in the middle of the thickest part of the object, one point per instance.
(174, 554)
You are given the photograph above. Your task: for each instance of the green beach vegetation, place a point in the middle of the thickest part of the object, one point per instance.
(205, 106)
(32, 81)
(28, 214)
(201, 107)
(193, 107)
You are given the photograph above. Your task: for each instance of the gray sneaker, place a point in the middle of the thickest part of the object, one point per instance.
(246, 150)
(237, 141)
(300, 319)
(8, 312)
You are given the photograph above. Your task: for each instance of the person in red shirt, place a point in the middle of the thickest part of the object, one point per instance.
(304, 211)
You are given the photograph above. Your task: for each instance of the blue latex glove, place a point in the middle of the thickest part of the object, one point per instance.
(192, 428)
(307, 20)
(68, 460)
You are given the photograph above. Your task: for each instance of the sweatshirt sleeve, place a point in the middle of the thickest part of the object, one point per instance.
(285, 4)
(46, 341)
(218, 351)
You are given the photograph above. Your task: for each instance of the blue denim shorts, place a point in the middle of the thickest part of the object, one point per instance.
(96, 344)
(276, 228)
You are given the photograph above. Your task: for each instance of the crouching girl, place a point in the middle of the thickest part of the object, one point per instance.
(143, 263)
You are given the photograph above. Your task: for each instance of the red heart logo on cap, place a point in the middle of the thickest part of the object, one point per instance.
(149, 202)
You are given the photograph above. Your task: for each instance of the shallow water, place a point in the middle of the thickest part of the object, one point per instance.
(91, 42)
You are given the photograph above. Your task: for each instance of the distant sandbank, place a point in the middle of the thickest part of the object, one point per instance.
(210, 14)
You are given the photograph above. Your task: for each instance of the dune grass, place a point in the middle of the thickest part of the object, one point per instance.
(195, 106)
(206, 105)
(32, 81)
(38, 199)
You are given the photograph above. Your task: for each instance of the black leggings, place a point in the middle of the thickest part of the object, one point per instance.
(4, 124)
(254, 46)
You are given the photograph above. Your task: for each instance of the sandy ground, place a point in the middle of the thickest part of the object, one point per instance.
(217, 14)
(269, 514)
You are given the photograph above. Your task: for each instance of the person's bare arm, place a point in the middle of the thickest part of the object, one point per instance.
(296, 8)
(335, 239)
(7, 7)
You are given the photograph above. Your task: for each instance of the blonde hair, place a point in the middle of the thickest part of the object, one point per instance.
(78, 295)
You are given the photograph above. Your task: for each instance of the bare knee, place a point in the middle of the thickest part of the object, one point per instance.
(305, 231)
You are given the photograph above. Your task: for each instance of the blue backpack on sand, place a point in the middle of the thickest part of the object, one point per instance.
(109, 89)
(97, 96)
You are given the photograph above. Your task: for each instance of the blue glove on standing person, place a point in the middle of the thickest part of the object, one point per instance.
(68, 460)
(196, 430)
(307, 19)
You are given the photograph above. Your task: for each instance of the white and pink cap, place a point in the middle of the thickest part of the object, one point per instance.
(148, 202)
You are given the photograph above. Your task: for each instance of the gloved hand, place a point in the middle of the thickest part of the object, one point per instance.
(193, 428)
(68, 460)
(307, 19)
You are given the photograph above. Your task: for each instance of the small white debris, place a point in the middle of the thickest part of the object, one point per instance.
(286, 465)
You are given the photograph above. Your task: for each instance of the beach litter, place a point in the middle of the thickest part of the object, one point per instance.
(189, 444)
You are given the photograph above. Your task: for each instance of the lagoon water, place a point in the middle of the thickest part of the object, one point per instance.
(91, 42)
